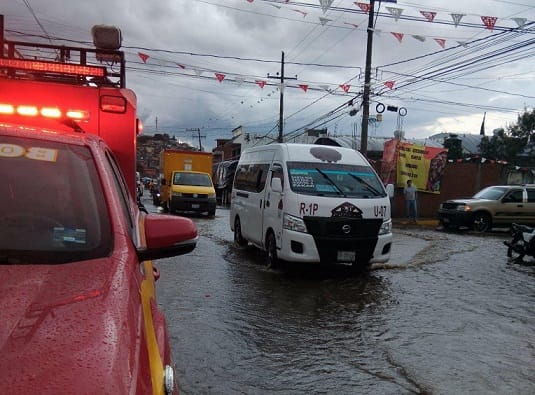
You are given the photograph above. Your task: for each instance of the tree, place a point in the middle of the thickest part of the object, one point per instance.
(510, 145)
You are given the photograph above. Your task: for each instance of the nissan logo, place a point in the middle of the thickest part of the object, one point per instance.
(346, 229)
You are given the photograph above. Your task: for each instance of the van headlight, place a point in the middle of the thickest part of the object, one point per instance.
(294, 223)
(386, 227)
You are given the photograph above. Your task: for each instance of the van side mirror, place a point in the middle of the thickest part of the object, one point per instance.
(276, 185)
(390, 190)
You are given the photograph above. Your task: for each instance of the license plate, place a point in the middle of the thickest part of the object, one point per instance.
(195, 206)
(345, 256)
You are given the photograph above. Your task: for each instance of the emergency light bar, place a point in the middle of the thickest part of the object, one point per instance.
(51, 67)
(46, 112)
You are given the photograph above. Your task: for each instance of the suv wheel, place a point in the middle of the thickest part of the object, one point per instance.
(482, 222)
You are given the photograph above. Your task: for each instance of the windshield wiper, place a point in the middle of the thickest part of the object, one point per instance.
(340, 192)
(366, 185)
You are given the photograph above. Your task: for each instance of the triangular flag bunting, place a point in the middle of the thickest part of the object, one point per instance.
(181, 66)
(325, 4)
(239, 80)
(220, 77)
(489, 21)
(276, 6)
(395, 12)
(462, 43)
(250, 1)
(399, 36)
(301, 12)
(345, 87)
(456, 18)
(323, 21)
(429, 15)
(324, 87)
(389, 84)
(363, 6)
(419, 38)
(441, 42)
(198, 72)
(352, 24)
(143, 57)
(303, 87)
(520, 22)
(260, 83)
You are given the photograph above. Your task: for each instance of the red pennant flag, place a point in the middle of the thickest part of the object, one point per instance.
(489, 21)
(143, 57)
(220, 77)
(303, 87)
(352, 24)
(250, 1)
(181, 66)
(363, 6)
(441, 42)
(399, 36)
(389, 84)
(345, 87)
(260, 83)
(301, 12)
(430, 16)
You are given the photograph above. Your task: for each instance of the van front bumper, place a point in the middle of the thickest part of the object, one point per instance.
(303, 247)
(192, 204)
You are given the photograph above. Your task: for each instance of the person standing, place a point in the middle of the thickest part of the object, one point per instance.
(410, 198)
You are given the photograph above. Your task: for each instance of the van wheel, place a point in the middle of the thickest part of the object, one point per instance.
(482, 222)
(271, 251)
(238, 237)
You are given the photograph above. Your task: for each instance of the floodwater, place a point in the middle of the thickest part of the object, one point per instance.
(447, 315)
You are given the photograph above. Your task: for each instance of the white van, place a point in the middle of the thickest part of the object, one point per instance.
(311, 203)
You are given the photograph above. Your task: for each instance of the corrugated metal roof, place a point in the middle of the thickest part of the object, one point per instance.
(470, 142)
(375, 144)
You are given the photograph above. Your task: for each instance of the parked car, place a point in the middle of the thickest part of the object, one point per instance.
(494, 206)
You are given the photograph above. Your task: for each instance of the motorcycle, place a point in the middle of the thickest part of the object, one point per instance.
(522, 243)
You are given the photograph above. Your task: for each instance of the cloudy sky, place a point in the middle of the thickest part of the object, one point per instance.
(209, 64)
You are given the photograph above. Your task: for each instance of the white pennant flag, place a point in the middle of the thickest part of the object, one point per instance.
(520, 21)
(323, 21)
(462, 43)
(395, 12)
(419, 38)
(198, 72)
(239, 80)
(324, 87)
(325, 4)
(456, 18)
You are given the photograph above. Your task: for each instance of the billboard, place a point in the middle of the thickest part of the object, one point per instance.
(423, 165)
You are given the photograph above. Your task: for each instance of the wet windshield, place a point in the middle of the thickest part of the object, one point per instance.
(490, 193)
(194, 179)
(330, 179)
(52, 207)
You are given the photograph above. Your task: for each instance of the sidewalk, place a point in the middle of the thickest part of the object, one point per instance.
(432, 223)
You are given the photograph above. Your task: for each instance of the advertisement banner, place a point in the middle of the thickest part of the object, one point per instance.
(423, 165)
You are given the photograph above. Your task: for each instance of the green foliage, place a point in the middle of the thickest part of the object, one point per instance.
(455, 148)
(508, 144)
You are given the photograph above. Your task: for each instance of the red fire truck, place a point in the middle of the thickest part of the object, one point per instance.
(77, 296)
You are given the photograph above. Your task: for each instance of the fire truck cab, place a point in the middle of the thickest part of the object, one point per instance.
(78, 300)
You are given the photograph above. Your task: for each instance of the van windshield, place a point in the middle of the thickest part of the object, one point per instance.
(193, 179)
(331, 179)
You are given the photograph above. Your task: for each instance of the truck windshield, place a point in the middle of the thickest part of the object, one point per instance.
(52, 206)
(331, 179)
(193, 179)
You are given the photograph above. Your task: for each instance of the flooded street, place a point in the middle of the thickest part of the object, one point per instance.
(446, 315)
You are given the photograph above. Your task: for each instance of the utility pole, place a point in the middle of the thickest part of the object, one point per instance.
(367, 83)
(281, 101)
(199, 135)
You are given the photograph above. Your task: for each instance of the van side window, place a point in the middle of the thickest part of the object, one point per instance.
(531, 195)
(251, 177)
(277, 172)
